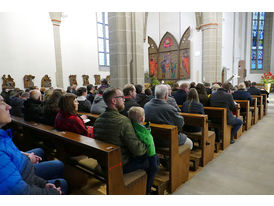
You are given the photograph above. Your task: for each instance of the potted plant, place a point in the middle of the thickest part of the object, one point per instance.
(267, 79)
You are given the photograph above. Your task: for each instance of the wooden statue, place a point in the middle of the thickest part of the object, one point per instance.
(8, 82)
(28, 81)
(72, 80)
(85, 80)
(97, 79)
(46, 81)
(108, 79)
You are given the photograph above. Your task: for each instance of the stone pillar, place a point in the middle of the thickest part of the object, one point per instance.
(56, 21)
(126, 48)
(212, 46)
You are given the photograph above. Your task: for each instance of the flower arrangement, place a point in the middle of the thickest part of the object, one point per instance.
(267, 78)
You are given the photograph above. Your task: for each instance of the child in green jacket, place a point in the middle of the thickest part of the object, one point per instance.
(143, 132)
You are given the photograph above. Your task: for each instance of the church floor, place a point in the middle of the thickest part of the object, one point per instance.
(244, 168)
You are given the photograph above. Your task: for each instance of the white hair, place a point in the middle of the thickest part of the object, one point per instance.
(161, 91)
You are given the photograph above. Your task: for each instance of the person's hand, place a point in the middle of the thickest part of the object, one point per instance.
(34, 158)
(50, 185)
(84, 117)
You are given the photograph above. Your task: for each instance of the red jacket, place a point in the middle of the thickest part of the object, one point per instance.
(72, 123)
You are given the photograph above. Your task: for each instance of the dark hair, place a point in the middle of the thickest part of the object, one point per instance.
(226, 86)
(201, 89)
(80, 91)
(108, 94)
(104, 81)
(207, 84)
(148, 91)
(139, 88)
(247, 84)
(128, 88)
(253, 84)
(192, 85)
(191, 96)
(66, 103)
(69, 89)
(89, 87)
(52, 104)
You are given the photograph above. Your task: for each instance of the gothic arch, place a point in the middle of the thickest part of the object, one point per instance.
(184, 55)
(152, 57)
(168, 58)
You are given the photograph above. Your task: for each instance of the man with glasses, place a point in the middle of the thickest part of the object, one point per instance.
(115, 128)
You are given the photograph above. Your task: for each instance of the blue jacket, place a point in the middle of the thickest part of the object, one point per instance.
(17, 172)
(241, 94)
(254, 91)
(180, 96)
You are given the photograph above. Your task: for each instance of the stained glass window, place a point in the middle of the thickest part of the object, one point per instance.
(103, 39)
(257, 48)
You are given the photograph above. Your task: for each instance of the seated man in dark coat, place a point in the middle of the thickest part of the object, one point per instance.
(158, 111)
(242, 94)
(130, 98)
(141, 97)
(33, 109)
(84, 104)
(222, 99)
(253, 90)
(181, 94)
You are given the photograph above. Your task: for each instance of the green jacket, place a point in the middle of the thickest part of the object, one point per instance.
(144, 134)
(115, 128)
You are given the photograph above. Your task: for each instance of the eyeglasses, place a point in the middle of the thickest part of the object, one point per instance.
(120, 97)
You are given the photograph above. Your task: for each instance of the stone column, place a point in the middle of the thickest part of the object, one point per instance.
(212, 45)
(126, 48)
(56, 21)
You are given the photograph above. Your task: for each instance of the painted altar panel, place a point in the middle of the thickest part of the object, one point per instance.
(168, 58)
(152, 57)
(184, 56)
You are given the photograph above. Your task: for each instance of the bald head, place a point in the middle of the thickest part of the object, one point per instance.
(35, 94)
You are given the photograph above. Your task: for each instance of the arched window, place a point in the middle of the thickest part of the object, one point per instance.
(257, 48)
(103, 39)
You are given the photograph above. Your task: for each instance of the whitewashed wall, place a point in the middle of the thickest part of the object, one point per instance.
(176, 23)
(27, 46)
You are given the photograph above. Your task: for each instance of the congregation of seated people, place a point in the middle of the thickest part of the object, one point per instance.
(118, 123)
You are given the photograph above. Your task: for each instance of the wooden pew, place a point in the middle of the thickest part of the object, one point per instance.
(206, 137)
(108, 155)
(265, 103)
(219, 113)
(255, 111)
(260, 105)
(179, 156)
(247, 114)
(238, 115)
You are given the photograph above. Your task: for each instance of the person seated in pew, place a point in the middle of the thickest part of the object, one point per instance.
(148, 92)
(98, 105)
(90, 93)
(202, 94)
(51, 108)
(67, 118)
(33, 107)
(223, 99)
(84, 104)
(141, 97)
(143, 132)
(47, 170)
(171, 99)
(208, 89)
(129, 91)
(159, 111)
(192, 105)
(253, 90)
(17, 174)
(242, 94)
(181, 94)
(115, 128)
(17, 104)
